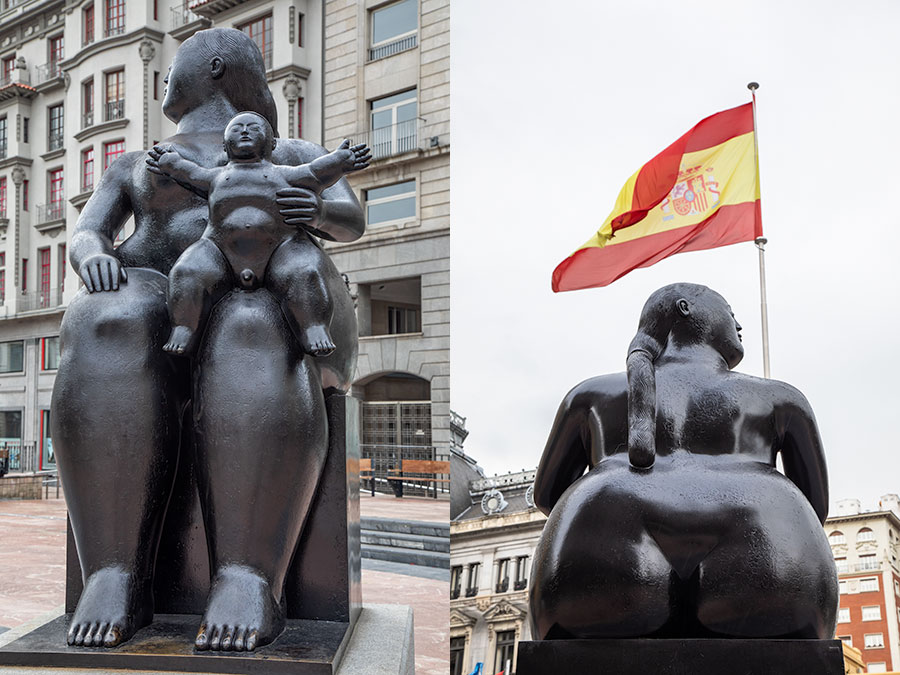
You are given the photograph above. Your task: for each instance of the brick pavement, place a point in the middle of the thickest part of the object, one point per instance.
(32, 571)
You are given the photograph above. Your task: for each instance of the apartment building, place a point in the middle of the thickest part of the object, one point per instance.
(387, 83)
(493, 542)
(82, 82)
(866, 547)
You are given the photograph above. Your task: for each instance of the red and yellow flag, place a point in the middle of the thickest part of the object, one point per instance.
(700, 192)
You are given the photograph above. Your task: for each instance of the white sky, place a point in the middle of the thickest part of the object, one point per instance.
(555, 104)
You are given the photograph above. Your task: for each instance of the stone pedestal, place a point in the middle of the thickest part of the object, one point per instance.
(681, 657)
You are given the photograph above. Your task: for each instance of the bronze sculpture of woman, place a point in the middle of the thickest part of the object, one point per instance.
(682, 526)
(258, 410)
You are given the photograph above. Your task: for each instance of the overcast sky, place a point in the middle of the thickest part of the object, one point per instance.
(555, 105)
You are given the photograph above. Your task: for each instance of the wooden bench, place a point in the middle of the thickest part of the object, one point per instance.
(420, 466)
(366, 471)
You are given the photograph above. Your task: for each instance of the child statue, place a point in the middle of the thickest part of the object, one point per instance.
(247, 239)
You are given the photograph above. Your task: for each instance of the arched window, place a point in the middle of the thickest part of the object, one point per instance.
(865, 534)
(836, 538)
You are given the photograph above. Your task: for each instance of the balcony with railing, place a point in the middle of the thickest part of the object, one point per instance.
(115, 110)
(55, 140)
(111, 30)
(392, 140)
(45, 298)
(47, 73)
(3, 149)
(87, 119)
(183, 20)
(395, 47)
(50, 216)
(867, 566)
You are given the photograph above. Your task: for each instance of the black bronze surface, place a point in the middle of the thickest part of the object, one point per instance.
(681, 657)
(682, 526)
(136, 428)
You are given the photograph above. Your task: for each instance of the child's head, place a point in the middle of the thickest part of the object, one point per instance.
(249, 136)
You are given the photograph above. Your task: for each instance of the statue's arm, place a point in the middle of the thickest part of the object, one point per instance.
(335, 214)
(566, 454)
(801, 449)
(91, 250)
(166, 161)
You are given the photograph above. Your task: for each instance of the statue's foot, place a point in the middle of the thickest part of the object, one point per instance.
(241, 614)
(112, 607)
(317, 341)
(181, 341)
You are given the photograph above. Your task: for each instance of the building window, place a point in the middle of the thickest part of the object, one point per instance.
(9, 67)
(456, 573)
(842, 566)
(300, 29)
(115, 95)
(49, 353)
(868, 585)
(260, 31)
(44, 279)
(865, 534)
(87, 170)
(402, 320)
(300, 117)
(390, 307)
(867, 562)
(876, 667)
(844, 615)
(871, 613)
(48, 458)
(393, 122)
(87, 104)
(836, 538)
(115, 17)
(3, 198)
(874, 641)
(56, 193)
(393, 28)
(2, 287)
(391, 204)
(457, 654)
(24, 129)
(846, 639)
(111, 152)
(10, 422)
(57, 53)
(87, 22)
(505, 651)
(472, 580)
(155, 85)
(55, 130)
(3, 137)
(25, 195)
(502, 584)
(24, 274)
(521, 573)
(62, 268)
(12, 358)
(896, 588)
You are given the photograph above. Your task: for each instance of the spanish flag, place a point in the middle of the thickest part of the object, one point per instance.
(700, 192)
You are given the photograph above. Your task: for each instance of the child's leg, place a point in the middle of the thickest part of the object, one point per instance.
(294, 276)
(199, 278)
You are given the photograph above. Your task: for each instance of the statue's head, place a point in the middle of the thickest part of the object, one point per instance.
(249, 136)
(678, 315)
(222, 61)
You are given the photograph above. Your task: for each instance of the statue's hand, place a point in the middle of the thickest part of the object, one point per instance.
(102, 272)
(158, 157)
(299, 206)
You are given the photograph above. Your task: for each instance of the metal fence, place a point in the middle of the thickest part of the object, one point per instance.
(23, 457)
(47, 72)
(182, 15)
(46, 213)
(391, 48)
(45, 298)
(115, 110)
(387, 457)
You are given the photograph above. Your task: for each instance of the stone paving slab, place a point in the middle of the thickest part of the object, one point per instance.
(32, 572)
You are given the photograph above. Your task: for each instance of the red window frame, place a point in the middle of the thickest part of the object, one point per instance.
(115, 17)
(62, 268)
(115, 86)
(260, 31)
(87, 97)
(2, 286)
(87, 19)
(56, 193)
(87, 169)
(44, 278)
(9, 65)
(111, 152)
(57, 49)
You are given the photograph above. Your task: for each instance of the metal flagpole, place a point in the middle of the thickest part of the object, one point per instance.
(761, 245)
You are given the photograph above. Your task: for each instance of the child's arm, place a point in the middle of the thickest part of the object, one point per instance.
(328, 169)
(166, 161)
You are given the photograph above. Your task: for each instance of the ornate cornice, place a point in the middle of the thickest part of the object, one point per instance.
(99, 46)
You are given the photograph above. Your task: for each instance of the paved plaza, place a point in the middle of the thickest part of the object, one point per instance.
(32, 570)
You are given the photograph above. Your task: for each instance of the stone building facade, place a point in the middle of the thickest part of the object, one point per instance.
(866, 547)
(82, 81)
(492, 546)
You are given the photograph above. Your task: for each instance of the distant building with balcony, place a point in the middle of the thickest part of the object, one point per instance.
(493, 542)
(866, 548)
(81, 82)
(387, 83)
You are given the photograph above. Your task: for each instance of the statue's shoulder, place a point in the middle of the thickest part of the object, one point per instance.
(294, 151)
(599, 390)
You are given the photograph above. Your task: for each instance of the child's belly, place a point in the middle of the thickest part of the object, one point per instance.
(248, 236)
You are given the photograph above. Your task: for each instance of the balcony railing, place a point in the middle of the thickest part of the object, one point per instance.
(386, 457)
(395, 139)
(46, 298)
(395, 47)
(502, 586)
(114, 29)
(3, 148)
(115, 110)
(454, 593)
(47, 72)
(55, 140)
(87, 119)
(520, 585)
(46, 213)
(181, 15)
(23, 457)
(867, 566)
(471, 592)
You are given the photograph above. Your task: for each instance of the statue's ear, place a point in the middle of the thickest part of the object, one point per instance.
(683, 306)
(216, 67)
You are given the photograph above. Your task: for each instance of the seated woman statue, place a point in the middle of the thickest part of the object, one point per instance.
(682, 526)
(120, 401)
